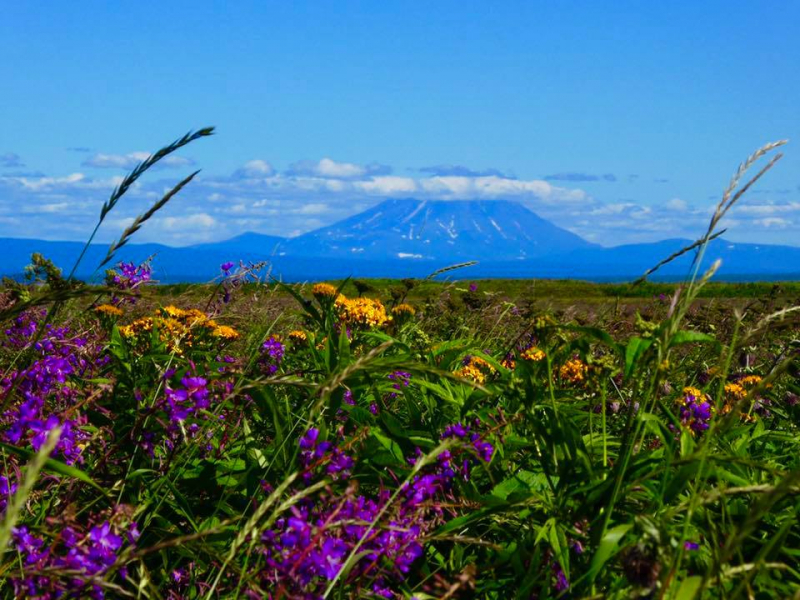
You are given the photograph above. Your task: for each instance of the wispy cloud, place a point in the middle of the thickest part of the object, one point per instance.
(259, 197)
(11, 160)
(130, 160)
(461, 171)
(577, 177)
(329, 168)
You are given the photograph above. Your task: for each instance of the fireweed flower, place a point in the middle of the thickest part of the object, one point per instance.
(315, 454)
(272, 352)
(561, 583)
(401, 380)
(307, 548)
(85, 556)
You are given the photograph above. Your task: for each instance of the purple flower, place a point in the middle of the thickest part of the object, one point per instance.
(691, 546)
(473, 287)
(561, 583)
(226, 267)
(272, 352)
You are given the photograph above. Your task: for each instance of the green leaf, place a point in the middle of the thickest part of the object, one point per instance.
(607, 548)
(54, 466)
(692, 337)
(390, 445)
(633, 352)
(689, 588)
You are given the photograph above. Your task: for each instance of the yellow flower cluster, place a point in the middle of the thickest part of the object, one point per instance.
(750, 381)
(693, 391)
(573, 371)
(509, 363)
(108, 310)
(298, 337)
(323, 290)
(361, 311)
(734, 392)
(178, 328)
(532, 354)
(404, 310)
(476, 369)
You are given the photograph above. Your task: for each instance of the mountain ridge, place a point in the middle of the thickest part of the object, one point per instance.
(412, 238)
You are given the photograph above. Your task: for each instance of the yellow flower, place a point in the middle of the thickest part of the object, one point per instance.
(362, 311)
(323, 290)
(404, 310)
(692, 391)
(298, 337)
(471, 372)
(174, 311)
(509, 363)
(108, 309)
(225, 332)
(533, 354)
(476, 368)
(573, 371)
(734, 391)
(750, 381)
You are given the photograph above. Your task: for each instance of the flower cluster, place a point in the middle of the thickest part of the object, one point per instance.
(694, 410)
(401, 380)
(128, 277)
(315, 454)
(532, 354)
(475, 368)
(463, 432)
(298, 337)
(364, 312)
(573, 371)
(73, 567)
(402, 311)
(308, 549)
(323, 291)
(178, 329)
(39, 395)
(272, 352)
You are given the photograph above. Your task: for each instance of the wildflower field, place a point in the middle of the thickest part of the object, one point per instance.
(413, 439)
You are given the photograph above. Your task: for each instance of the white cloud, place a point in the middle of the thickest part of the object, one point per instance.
(188, 223)
(130, 160)
(773, 222)
(677, 205)
(255, 169)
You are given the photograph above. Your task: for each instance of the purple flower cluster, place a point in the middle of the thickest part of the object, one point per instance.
(40, 392)
(83, 558)
(401, 379)
(561, 583)
(315, 454)
(272, 352)
(305, 551)
(128, 277)
(484, 449)
(187, 400)
(695, 412)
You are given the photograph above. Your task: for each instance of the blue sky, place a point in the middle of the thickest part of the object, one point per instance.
(622, 121)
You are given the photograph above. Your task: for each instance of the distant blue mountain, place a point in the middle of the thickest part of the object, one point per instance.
(439, 230)
(413, 238)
